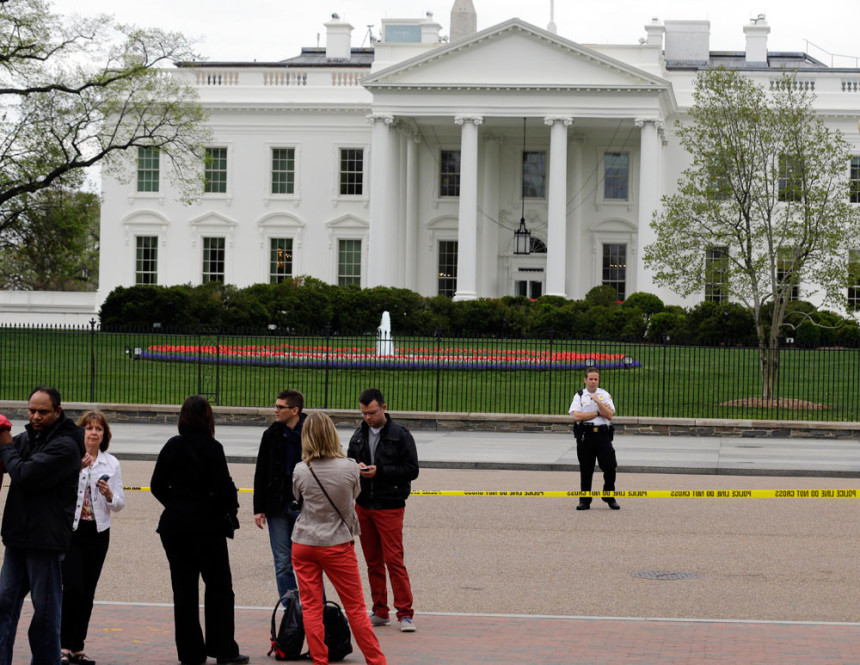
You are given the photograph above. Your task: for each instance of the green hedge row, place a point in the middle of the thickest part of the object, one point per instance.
(308, 305)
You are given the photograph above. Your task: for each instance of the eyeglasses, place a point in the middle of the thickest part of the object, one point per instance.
(280, 407)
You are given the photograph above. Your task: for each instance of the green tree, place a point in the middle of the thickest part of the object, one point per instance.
(76, 93)
(768, 181)
(53, 245)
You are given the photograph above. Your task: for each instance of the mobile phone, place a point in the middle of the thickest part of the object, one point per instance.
(105, 477)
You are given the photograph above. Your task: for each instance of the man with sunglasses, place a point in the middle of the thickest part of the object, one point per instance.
(280, 451)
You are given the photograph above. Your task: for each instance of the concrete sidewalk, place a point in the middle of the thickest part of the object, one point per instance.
(127, 634)
(557, 452)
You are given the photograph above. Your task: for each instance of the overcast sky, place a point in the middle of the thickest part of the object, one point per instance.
(267, 30)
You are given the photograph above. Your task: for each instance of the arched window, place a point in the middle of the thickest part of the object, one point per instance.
(538, 246)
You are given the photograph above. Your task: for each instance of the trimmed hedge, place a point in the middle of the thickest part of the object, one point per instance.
(308, 305)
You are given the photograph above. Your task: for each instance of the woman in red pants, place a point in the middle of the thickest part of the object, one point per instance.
(326, 483)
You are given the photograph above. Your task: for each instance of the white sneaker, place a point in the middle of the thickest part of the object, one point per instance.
(406, 625)
(379, 621)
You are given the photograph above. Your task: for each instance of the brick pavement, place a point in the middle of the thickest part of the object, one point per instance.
(125, 634)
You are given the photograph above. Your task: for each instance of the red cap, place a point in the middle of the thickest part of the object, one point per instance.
(4, 423)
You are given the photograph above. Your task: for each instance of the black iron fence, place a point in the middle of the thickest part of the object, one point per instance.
(88, 364)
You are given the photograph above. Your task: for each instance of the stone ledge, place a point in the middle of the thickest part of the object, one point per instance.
(479, 422)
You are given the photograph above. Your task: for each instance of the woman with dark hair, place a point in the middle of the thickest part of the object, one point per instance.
(192, 482)
(99, 494)
(326, 483)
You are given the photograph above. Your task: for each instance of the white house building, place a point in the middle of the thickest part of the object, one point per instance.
(411, 163)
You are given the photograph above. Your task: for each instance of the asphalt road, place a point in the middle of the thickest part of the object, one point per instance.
(751, 559)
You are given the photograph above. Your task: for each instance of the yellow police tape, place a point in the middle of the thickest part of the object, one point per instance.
(640, 494)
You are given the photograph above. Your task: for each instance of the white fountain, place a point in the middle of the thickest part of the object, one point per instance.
(384, 341)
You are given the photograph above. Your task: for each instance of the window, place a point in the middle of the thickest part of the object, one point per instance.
(615, 267)
(615, 175)
(146, 260)
(534, 175)
(215, 175)
(719, 188)
(785, 273)
(280, 260)
(449, 173)
(283, 170)
(537, 245)
(528, 288)
(790, 179)
(147, 169)
(854, 271)
(351, 171)
(854, 180)
(716, 274)
(447, 267)
(213, 260)
(349, 262)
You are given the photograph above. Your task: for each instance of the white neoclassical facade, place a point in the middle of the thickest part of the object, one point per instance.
(411, 163)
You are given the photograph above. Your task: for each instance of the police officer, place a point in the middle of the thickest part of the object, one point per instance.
(592, 411)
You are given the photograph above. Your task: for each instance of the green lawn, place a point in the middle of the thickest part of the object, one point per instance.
(671, 381)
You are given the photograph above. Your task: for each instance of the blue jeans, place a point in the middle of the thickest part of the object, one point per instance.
(281, 539)
(36, 572)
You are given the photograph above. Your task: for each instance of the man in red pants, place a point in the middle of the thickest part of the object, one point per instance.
(388, 462)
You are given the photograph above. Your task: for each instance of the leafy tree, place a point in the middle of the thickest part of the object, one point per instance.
(768, 181)
(53, 245)
(75, 93)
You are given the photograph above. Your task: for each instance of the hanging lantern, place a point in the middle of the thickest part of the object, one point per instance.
(522, 239)
(522, 236)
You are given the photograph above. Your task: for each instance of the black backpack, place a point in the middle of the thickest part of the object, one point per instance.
(289, 636)
(338, 639)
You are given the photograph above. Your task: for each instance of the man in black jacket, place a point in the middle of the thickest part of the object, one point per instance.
(43, 465)
(388, 462)
(280, 451)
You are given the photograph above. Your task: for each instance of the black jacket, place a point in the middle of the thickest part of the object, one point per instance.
(280, 448)
(43, 467)
(396, 465)
(196, 489)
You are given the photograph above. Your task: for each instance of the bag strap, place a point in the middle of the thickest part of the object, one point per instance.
(310, 468)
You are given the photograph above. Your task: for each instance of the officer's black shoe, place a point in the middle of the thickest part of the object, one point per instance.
(612, 503)
(583, 506)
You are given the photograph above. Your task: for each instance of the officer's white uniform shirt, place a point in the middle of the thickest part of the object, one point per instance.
(588, 404)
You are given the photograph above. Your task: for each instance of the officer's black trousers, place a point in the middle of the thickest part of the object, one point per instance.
(596, 446)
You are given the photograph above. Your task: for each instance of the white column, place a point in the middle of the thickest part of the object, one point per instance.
(467, 230)
(412, 142)
(488, 224)
(556, 234)
(650, 191)
(379, 251)
(575, 241)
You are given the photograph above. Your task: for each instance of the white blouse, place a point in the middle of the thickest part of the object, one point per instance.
(105, 463)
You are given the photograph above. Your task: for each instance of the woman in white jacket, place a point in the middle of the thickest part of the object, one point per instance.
(99, 494)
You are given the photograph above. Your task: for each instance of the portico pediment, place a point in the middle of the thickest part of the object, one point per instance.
(514, 55)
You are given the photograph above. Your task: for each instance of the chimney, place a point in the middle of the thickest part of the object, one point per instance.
(756, 33)
(464, 19)
(654, 33)
(338, 40)
(688, 42)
